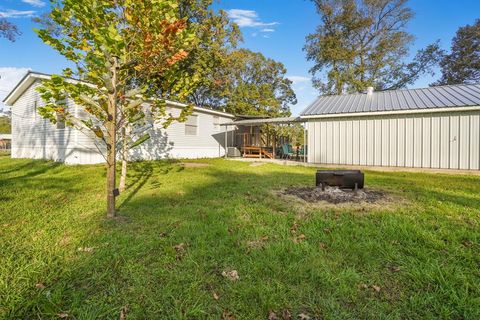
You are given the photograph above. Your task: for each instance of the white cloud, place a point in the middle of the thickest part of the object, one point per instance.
(35, 3)
(298, 79)
(267, 30)
(9, 78)
(16, 13)
(247, 18)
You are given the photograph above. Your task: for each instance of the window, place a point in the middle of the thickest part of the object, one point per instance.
(60, 121)
(216, 123)
(191, 125)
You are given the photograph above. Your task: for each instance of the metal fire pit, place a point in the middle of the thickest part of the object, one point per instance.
(344, 179)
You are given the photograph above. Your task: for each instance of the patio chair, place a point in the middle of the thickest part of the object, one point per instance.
(303, 151)
(290, 149)
(286, 153)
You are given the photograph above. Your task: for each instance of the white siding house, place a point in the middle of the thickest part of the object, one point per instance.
(37, 138)
(437, 127)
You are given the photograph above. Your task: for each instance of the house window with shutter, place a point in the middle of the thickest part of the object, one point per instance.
(216, 123)
(191, 125)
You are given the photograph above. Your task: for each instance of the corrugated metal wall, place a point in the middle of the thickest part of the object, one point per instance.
(435, 140)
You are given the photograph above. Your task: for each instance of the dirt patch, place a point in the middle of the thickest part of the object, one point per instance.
(257, 243)
(335, 195)
(194, 164)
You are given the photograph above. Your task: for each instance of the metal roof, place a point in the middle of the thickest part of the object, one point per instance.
(248, 122)
(395, 100)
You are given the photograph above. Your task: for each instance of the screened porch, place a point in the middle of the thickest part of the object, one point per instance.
(270, 138)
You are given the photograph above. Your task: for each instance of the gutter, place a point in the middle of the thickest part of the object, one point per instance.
(393, 112)
(39, 75)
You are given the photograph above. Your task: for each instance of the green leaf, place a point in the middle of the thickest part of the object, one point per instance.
(139, 141)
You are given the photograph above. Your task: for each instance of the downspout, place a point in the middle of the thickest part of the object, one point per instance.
(274, 138)
(226, 140)
(305, 149)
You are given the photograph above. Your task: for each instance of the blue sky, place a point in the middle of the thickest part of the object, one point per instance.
(276, 28)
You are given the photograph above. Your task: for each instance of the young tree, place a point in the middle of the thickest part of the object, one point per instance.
(126, 53)
(364, 43)
(136, 130)
(462, 65)
(8, 30)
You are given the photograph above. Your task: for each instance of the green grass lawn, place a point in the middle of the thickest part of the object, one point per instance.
(181, 227)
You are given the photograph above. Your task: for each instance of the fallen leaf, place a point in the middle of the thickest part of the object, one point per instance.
(231, 275)
(376, 288)
(294, 228)
(362, 286)
(40, 286)
(65, 240)
(62, 315)
(304, 316)
(123, 313)
(227, 315)
(272, 315)
(286, 315)
(327, 230)
(180, 247)
(322, 246)
(301, 237)
(395, 269)
(255, 244)
(467, 243)
(215, 296)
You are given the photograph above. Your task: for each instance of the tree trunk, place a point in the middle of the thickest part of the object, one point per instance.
(123, 175)
(111, 142)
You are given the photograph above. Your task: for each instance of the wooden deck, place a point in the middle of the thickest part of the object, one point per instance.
(256, 152)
